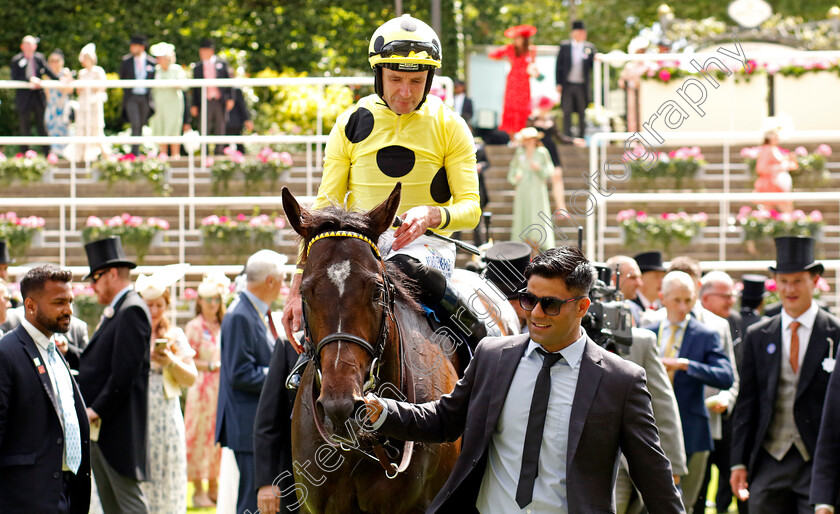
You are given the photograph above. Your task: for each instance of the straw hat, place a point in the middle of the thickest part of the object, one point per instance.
(153, 287)
(528, 133)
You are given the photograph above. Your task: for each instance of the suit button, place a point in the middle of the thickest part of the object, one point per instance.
(59, 441)
(55, 475)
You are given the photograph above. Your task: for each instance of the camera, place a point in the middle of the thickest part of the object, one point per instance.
(608, 321)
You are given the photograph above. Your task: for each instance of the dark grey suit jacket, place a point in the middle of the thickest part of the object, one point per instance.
(611, 412)
(825, 477)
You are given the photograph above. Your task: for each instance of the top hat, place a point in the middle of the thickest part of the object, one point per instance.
(795, 254)
(649, 261)
(4, 253)
(138, 39)
(106, 253)
(578, 25)
(207, 43)
(506, 263)
(753, 287)
(520, 30)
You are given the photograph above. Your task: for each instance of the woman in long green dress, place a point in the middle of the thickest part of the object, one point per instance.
(168, 119)
(530, 169)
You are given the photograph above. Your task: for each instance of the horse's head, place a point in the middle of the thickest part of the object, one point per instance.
(346, 296)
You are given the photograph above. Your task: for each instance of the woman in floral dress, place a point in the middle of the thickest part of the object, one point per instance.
(203, 454)
(57, 113)
(172, 368)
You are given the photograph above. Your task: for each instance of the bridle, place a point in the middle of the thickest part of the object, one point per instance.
(375, 350)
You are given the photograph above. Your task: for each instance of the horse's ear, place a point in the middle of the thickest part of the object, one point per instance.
(382, 216)
(293, 212)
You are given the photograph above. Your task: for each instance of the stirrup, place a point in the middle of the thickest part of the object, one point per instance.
(294, 378)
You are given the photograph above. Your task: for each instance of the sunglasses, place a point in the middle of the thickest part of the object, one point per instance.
(212, 299)
(550, 306)
(96, 276)
(403, 48)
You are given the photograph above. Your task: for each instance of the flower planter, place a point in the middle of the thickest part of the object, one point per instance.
(804, 100)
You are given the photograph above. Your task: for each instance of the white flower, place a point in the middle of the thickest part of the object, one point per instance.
(108, 312)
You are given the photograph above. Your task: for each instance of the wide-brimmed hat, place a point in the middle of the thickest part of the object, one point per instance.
(649, 261)
(753, 287)
(154, 286)
(520, 30)
(106, 253)
(162, 49)
(4, 254)
(528, 133)
(506, 263)
(212, 285)
(794, 254)
(545, 103)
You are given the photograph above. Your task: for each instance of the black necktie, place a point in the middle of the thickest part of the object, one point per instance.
(534, 433)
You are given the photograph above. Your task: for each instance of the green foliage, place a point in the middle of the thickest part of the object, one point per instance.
(23, 168)
(766, 225)
(130, 168)
(240, 234)
(18, 232)
(8, 114)
(114, 121)
(135, 233)
(644, 231)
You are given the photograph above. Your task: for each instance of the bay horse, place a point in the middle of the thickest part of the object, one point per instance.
(369, 335)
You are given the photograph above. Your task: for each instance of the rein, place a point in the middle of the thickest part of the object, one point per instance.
(375, 350)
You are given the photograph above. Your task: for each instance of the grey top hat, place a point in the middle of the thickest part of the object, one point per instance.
(106, 253)
(794, 254)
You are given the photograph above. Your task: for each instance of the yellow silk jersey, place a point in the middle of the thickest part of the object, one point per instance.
(430, 151)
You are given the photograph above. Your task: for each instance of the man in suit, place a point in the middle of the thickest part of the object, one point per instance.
(463, 104)
(694, 357)
(629, 278)
(5, 304)
(825, 484)
(219, 99)
(71, 344)
(29, 66)
(752, 298)
(44, 431)
(248, 339)
(650, 264)
(5, 261)
(573, 77)
(783, 386)
(239, 117)
(114, 380)
(596, 405)
(137, 101)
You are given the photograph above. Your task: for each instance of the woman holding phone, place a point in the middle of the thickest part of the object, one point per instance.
(172, 368)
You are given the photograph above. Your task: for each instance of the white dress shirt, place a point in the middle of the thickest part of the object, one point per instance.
(504, 457)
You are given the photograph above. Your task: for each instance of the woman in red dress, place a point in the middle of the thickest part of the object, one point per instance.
(522, 60)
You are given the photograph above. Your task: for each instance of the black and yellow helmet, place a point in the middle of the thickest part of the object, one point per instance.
(404, 44)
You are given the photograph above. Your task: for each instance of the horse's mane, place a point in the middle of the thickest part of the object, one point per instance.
(334, 218)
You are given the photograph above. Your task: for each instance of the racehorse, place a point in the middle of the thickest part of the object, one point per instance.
(369, 335)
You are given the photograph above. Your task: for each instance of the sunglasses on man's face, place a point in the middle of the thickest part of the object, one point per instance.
(550, 305)
(96, 276)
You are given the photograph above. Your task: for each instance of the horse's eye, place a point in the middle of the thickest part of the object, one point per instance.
(377, 295)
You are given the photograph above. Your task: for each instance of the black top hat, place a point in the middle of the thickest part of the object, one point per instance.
(506, 263)
(138, 39)
(4, 254)
(795, 254)
(578, 25)
(753, 287)
(106, 253)
(649, 261)
(207, 43)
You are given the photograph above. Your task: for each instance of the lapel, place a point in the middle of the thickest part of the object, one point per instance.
(771, 361)
(688, 337)
(816, 352)
(591, 371)
(106, 321)
(501, 374)
(31, 350)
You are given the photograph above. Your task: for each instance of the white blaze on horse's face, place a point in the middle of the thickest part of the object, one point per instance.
(338, 273)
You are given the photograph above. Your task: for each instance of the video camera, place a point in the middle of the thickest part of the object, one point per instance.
(608, 321)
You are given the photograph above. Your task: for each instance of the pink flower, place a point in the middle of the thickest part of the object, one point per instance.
(30, 154)
(266, 151)
(626, 214)
(774, 214)
(798, 214)
(125, 217)
(163, 157)
(228, 150)
(134, 221)
(209, 162)
(280, 222)
(286, 158)
(770, 285)
(822, 285)
(223, 219)
(824, 150)
(93, 221)
(751, 66)
(210, 220)
(664, 75)
(762, 214)
(816, 216)
(641, 216)
(19, 156)
(52, 159)
(801, 151)
(701, 217)
(2, 157)
(116, 221)
(240, 217)
(772, 68)
(237, 157)
(786, 217)
(190, 294)
(744, 211)
(159, 223)
(671, 216)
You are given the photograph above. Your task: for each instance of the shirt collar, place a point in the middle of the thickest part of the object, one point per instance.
(262, 307)
(118, 296)
(682, 324)
(807, 318)
(211, 60)
(572, 353)
(36, 335)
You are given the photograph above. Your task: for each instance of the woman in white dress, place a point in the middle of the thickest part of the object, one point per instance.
(172, 368)
(90, 116)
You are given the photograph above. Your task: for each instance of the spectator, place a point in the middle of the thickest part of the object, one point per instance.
(172, 368)
(772, 167)
(522, 60)
(57, 114)
(40, 405)
(137, 101)
(114, 379)
(5, 302)
(29, 66)
(203, 333)
(249, 336)
(90, 115)
(573, 76)
(530, 168)
(5, 260)
(650, 264)
(219, 100)
(168, 119)
(239, 117)
(463, 104)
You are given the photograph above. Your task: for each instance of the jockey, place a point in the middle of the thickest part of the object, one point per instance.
(402, 134)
